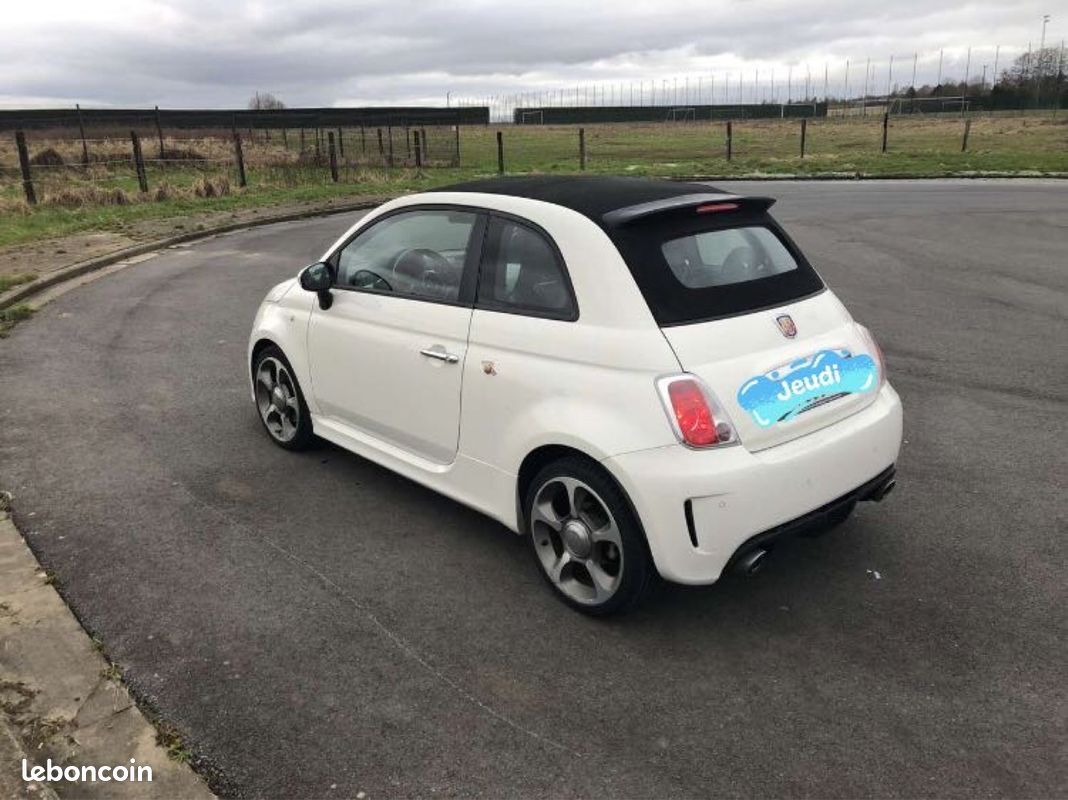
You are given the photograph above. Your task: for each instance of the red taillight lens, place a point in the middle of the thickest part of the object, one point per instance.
(692, 413)
(695, 416)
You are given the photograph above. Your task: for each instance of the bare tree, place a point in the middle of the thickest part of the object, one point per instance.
(264, 101)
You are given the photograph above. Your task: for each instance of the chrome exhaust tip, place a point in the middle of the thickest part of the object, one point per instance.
(751, 563)
(879, 494)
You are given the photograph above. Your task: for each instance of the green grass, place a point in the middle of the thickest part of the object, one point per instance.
(922, 146)
(12, 315)
(10, 281)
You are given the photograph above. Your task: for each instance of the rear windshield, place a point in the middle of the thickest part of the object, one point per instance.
(692, 269)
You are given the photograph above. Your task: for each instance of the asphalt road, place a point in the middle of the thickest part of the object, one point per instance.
(316, 625)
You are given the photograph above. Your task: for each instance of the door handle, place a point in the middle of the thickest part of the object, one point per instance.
(440, 354)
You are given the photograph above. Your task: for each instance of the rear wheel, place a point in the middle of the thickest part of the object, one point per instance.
(279, 400)
(585, 538)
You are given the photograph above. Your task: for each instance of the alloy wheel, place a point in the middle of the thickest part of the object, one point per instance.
(577, 540)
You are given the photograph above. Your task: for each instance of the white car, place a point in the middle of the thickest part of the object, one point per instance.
(645, 377)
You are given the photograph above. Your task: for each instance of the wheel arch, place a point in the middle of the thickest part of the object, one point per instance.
(545, 454)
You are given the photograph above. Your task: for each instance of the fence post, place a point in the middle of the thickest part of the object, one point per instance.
(285, 139)
(407, 143)
(730, 140)
(500, 152)
(422, 138)
(24, 165)
(302, 140)
(363, 140)
(381, 149)
(456, 156)
(139, 161)
(159, 133)
(81, 130)
(340, 143)
(240, 156)
(886, 126)
(418, 151)
(318, 144)
(804, 126)
(582, 148)
(333, 155)
(967, 130)
(389, 133)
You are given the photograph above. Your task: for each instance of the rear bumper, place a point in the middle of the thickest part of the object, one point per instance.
(702, 508)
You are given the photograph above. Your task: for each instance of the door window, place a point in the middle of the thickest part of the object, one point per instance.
(522, 273)
(419, 254)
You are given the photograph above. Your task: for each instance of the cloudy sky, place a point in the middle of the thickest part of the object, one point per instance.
(216, 53)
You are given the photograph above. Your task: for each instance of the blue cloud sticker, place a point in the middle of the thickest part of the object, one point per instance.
(792, 389)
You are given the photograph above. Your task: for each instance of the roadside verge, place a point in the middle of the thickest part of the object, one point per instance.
(25, 291)
(63, 702)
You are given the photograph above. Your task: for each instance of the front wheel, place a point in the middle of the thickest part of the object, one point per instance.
(280, 401)
(585, 538)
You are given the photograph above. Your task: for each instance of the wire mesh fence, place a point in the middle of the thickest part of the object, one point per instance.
(76, 167)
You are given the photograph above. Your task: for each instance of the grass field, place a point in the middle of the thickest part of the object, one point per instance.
(199, 174)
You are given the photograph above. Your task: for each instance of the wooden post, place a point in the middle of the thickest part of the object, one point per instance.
(886, 126)
(381, 149)
(318, 145)
(24, 165)
(81, 130)
(456, 154)
(139, 161)
(363, 141)
(582, 148)
(730, 140)
(389, 132)
(422, 138)
(302, 141)
(418, 151)
(967, 130)
(240, 156)
(340, 144)
(159, 133)
(500, 152)
(333, 155)
(804, 126)
(407, 143)
(285, 138)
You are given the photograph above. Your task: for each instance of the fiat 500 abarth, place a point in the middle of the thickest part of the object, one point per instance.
(642, 377)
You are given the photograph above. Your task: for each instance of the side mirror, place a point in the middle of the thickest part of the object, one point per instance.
(318, 278)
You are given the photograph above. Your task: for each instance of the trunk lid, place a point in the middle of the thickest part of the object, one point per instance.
(775, 387)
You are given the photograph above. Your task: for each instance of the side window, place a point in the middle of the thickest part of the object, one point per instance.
(419, 254)
(523, 273)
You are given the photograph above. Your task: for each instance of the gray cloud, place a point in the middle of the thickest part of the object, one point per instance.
(215, 54)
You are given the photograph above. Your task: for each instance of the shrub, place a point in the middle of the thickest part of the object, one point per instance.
(48, 157)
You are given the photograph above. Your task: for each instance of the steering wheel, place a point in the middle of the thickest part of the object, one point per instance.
(366, 279)
(417, 261)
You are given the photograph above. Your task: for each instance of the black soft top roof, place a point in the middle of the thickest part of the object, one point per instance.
(593, 196)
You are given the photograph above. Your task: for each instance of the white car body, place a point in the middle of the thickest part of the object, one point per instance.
(524, 386)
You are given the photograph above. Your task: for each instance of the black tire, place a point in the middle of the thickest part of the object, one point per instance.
(636, 573)
(301, 437)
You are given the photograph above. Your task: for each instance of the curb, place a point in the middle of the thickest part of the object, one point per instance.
(27, 290)
(64, 703)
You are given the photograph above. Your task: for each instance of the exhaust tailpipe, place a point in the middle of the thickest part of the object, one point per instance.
(879, 494)
(751, 563)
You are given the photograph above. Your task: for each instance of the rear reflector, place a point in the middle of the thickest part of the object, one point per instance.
(714, 208)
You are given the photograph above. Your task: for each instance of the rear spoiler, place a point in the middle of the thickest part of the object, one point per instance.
(701, 203)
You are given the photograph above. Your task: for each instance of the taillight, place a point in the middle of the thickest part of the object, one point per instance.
(876, 351)
(695, 415)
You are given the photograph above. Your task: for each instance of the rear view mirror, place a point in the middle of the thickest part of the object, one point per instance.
(318, 278)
